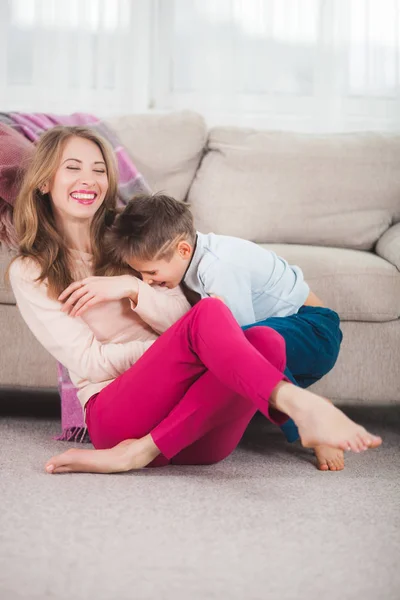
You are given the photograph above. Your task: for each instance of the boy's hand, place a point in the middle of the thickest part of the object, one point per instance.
(217, 297)
(81, 295)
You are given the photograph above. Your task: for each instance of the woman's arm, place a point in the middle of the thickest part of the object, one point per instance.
(69, 340)
(158, 307)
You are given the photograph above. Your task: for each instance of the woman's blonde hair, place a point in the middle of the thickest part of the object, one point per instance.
(34, 220)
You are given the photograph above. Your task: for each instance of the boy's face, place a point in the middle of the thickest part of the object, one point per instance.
(165, 273)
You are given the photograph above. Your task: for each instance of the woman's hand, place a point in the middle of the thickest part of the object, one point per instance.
(81, 295)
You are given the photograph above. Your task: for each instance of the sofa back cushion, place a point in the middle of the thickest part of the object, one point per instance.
(338, 190)
(166, 149)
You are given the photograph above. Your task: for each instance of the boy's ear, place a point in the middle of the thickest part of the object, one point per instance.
(184, 249)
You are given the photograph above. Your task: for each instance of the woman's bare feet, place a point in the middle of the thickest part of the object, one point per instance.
(126, 456)
(319, 422)
(329, 459)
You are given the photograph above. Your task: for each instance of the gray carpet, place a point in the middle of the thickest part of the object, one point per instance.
(264, 524)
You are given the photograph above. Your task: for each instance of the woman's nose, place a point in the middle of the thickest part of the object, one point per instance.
(87, 181)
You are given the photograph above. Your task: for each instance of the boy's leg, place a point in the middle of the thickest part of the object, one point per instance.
(312, 338)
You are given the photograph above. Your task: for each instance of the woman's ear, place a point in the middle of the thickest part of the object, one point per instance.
(44, 188)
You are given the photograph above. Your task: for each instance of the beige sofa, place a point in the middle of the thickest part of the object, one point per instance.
(329, 203)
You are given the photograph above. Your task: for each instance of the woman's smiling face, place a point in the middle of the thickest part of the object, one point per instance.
(80, 183)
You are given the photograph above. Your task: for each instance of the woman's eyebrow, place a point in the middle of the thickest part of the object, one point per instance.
(76, 159)
(97, 162)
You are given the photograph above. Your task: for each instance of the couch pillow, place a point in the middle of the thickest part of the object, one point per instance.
(166, 148)
(330, 190)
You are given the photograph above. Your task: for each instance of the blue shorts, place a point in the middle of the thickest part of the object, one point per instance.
(313, 339)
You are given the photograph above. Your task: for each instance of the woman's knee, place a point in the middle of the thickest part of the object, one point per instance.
(269, 343)
(212, 308)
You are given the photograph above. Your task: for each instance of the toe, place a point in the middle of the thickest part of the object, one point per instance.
(62, 470)
(61, 460)
(362, 443)
(345, 446)
(353, 445)
(322, 465)
(359, 443)
(339, 463)
(373, 441)
(376, 441)
(331, 465)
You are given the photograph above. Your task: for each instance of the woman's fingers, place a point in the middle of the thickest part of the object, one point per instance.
(82, 304)
(69, 290)
(80, 300)
(73, 299)
(94, 300)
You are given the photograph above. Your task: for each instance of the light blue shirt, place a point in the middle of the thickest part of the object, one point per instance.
(255, 283)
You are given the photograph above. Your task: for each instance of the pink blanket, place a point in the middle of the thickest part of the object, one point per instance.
(15, 152)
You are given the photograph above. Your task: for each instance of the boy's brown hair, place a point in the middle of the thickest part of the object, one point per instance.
(150, 227)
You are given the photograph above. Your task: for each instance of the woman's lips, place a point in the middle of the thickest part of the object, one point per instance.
(85, 198)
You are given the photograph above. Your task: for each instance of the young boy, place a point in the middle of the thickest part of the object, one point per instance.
(155, 235)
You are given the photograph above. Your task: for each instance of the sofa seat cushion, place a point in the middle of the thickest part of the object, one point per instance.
(359, 285)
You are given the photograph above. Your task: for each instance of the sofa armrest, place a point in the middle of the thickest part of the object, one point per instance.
(388, 246)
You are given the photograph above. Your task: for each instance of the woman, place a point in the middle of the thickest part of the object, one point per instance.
(184, 397)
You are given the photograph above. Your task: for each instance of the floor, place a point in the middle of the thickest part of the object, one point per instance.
(263, 524)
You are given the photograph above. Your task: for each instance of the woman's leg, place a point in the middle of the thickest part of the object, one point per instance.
(113, 415)
(142, 397)
(203, 428)
(208, 337)
(231, 419)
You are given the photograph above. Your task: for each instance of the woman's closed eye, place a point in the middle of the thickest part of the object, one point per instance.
(78, 169)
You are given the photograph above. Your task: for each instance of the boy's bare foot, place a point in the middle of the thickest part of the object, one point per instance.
(319, 422)
(126, 456)
(329, 459)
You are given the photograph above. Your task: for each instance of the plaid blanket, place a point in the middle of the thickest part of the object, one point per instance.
(15, 152)
(131, 182)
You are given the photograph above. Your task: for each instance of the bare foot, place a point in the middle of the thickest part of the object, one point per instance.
(319, 422)
(126, 456)
(329, 459)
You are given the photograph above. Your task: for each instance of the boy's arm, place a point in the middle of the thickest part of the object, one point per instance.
(233, 285)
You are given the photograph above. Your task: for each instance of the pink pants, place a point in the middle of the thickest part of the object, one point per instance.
(195, 390)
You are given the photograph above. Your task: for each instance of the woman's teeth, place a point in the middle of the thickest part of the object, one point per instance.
(84, 198)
